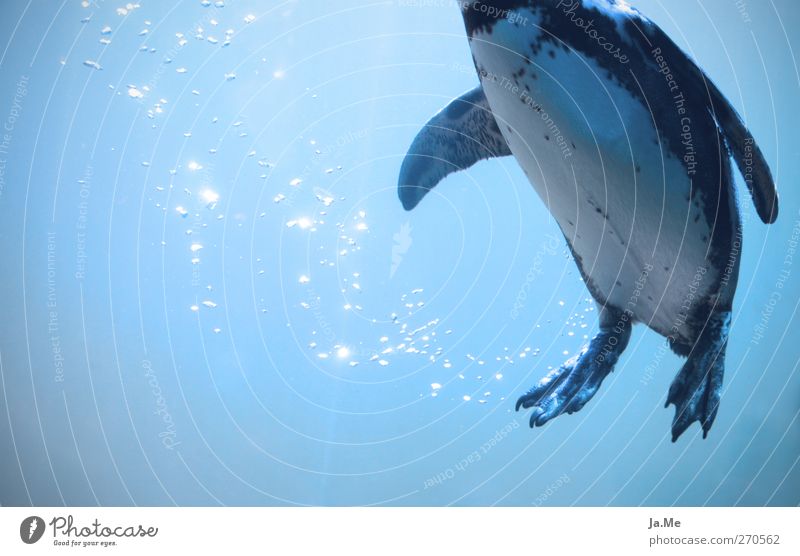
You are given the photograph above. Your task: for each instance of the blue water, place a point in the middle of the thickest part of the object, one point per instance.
(213, 296)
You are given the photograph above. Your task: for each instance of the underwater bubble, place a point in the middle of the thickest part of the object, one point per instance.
(325, 200)
(211, 198)
(209, 304)
(467, 397)
(195, 247)
(181, 70)
(230, 76)
(134, 92)
(295, 182)
(304, 279)
(194, 308)
(322, 355)
(92, 64)
(249, 18)
(383, 362)
(436, 386)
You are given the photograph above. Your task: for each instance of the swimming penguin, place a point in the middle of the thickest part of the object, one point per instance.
(628, 143)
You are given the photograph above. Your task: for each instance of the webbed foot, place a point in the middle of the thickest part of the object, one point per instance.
(568, 388)
(696, 390)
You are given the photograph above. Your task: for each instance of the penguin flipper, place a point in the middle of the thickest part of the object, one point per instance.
(748, 156)
(461, 134)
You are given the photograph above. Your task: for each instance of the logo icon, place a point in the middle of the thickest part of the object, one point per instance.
(31, 529)
(402, 243)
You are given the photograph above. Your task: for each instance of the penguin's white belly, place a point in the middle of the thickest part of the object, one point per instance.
(591, 151)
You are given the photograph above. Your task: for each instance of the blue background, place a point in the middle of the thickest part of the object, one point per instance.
(121, 387)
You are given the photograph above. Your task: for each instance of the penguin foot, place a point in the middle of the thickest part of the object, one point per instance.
(697, 388)
(564, 390)
(568, 388)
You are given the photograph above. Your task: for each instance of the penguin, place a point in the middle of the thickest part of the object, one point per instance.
(629, 145)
